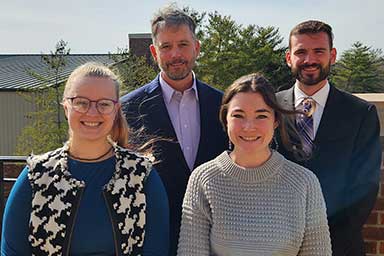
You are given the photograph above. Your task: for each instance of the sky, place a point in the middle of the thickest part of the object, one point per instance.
(101, 26)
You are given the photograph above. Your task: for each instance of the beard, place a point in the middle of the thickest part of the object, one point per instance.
(178, 73)
(311, 79)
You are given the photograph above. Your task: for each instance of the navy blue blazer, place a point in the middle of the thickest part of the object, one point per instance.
(145, 107)
(346, 159)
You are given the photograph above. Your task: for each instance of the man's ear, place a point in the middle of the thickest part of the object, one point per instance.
(152, 48)
(333, 56)
(197, 47)
(288, 58)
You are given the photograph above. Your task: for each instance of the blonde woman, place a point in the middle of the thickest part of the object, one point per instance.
(94, 195)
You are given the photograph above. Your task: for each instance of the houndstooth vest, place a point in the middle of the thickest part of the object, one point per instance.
(56, 196)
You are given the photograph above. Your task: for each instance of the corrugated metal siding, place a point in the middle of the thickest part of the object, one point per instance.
(14, 69)
(13, 110)
(14, 76)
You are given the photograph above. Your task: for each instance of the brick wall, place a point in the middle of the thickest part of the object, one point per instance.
(139, 46)
(374, 228)
(11, 171)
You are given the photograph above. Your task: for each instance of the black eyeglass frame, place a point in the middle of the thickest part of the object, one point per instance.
(90, 103)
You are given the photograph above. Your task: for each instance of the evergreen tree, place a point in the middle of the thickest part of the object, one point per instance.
(360, 69)
(132, 70)
(47, 129)
(218, 57)
(199, 19)
(229, 50)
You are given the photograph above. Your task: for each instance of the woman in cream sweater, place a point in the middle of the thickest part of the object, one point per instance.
(251, 200)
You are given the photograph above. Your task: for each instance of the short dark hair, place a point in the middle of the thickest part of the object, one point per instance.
(171, 16)
(312, 27)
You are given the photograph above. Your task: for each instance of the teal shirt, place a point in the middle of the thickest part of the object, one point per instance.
(92, 234)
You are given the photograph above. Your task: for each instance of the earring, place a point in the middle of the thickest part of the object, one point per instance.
(274, 144)
(230, 145)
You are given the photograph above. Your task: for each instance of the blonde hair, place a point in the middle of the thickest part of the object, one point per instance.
(120, 128)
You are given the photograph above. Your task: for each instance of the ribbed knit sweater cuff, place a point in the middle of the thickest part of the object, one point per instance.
(250, 175)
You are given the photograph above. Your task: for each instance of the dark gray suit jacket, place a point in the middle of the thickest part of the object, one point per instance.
(346, 160)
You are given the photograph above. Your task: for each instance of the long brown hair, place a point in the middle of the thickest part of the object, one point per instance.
(257, 83)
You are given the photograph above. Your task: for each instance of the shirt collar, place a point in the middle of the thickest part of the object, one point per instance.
(320, 96)
(168, 91)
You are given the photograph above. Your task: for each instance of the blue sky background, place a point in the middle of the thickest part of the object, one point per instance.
(100, 26)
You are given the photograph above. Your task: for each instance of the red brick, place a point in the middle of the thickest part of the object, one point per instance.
(373, 233)
(379, 205)
(381, 219)
(373, 218)
(382, 161)
(370, 246)
(381, 191)
(381, 247)
(381, 194)
(11, 171)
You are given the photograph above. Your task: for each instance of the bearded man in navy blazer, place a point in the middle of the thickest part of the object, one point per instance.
(176, 105)
(346, 151)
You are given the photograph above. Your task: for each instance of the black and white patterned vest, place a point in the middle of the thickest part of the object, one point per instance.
(56, 196)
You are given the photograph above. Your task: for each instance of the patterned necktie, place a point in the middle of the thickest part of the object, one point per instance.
(304, 124)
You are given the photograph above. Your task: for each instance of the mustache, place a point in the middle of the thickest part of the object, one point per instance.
(314, 65)
(178, 61)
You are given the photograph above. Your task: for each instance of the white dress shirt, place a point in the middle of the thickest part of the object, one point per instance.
(320, 97)
(184, 112)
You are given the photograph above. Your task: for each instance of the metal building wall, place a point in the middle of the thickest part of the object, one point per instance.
(13, 110)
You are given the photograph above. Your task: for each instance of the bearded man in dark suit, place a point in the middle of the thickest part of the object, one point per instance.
(339, 131)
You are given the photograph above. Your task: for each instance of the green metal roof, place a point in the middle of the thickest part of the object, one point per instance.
(14, 69)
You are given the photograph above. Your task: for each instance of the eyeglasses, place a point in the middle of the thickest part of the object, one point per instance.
(82, 105)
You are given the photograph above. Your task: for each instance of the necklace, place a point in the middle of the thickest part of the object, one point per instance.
(91, 159)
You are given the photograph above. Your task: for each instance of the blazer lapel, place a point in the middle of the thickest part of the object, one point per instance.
(204, 122)
(158, 120)
(287, 103)
(287, 99)
(331, 124)
(330, 117)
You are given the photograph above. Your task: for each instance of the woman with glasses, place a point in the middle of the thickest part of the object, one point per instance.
(96, 195)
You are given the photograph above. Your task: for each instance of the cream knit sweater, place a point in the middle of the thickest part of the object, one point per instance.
(275, 209)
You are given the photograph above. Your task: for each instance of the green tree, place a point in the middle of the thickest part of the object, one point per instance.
(360, 69)
(263, 52)
(199, 19)
(229, 50)
(132, 70)
(218, 56)
(47, 130)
